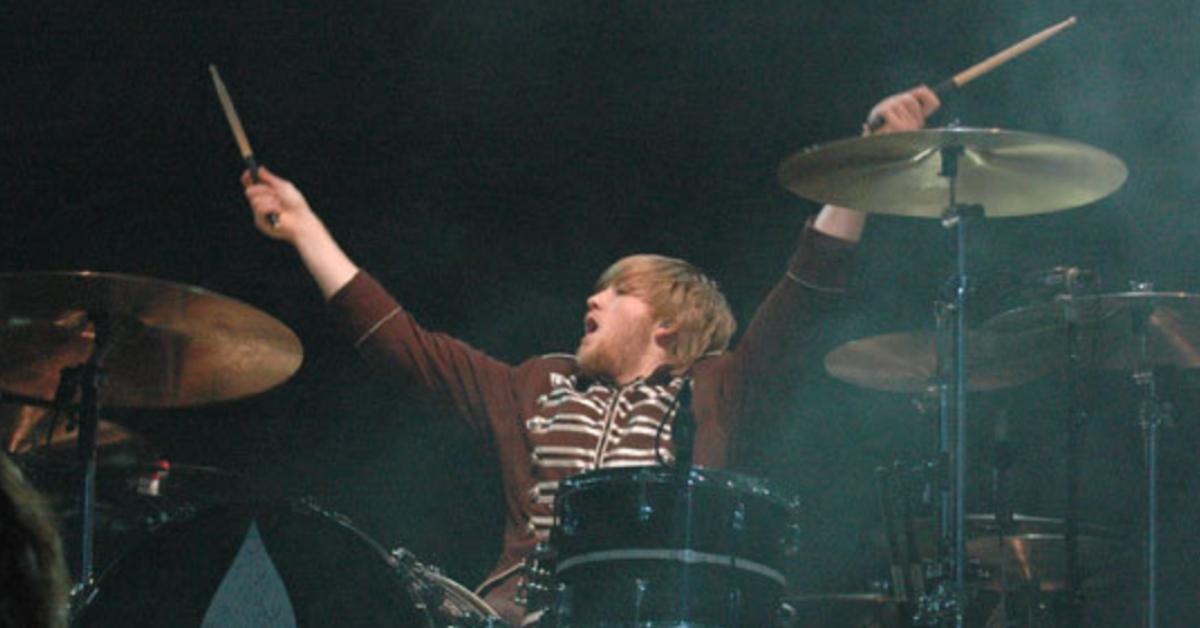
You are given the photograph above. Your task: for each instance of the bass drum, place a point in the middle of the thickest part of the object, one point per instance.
(275, 564)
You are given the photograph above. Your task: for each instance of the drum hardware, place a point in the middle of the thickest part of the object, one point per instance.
(1133, 332)
(537, 588)
(100, 339)
(922, 590)
(249, 559)
(957, 175)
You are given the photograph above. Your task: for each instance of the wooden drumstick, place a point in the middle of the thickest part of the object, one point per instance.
(989, 64)
(239, 133)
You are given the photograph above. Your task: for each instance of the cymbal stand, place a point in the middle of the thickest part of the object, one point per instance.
(960, 218)
(1076, 422)
(1152, 412)
(951, 601)
(88, 378)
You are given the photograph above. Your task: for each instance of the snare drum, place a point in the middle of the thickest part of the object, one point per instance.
(649, 547)
(275, 564)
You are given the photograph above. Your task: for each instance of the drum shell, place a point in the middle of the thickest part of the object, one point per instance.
(648, 547)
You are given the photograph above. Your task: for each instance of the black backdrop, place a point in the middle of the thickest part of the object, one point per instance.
(487, 159)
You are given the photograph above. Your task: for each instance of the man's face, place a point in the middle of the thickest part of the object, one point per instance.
(618, 331)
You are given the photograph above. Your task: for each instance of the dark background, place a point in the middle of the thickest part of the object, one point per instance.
(486, 160)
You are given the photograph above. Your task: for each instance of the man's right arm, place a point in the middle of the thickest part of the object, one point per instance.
(438, 367)
(281, 212)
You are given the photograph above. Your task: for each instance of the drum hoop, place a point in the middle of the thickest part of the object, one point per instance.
(463, 592)
(698, 476)
(677, 555)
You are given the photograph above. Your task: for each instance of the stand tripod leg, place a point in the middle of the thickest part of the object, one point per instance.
(1150, 431)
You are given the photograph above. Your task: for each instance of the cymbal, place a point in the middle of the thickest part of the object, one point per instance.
(171, 345)
(24, 429)
(1010, 173)
(1108, 326)
(906, 362)
(1033, 552)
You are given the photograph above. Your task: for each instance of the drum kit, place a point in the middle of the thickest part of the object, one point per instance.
(634, 547)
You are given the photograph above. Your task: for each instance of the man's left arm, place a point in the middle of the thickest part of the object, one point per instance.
(772, 349)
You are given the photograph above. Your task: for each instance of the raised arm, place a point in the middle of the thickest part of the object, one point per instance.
(296, 223)
(905, 111)
(770, 353)
(435, 366)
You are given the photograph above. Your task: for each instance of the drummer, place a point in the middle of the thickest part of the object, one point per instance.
(652, 324)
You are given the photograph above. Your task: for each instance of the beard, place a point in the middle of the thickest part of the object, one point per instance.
(616, 351)
(610, 355)
(594, 361)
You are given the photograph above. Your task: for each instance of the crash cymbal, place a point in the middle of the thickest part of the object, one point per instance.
(906, 362)
(1010, 173)
(1110, 328)
(1032, 552)
(33, 434)
(170, 344)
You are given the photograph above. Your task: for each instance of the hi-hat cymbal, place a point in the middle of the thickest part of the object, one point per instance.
(1032, 552)
(1010, 173)
(29, 433)
(907, 362)
(170, 344)
(1109, 328)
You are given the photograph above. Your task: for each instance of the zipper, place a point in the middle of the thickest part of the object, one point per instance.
(609, 415)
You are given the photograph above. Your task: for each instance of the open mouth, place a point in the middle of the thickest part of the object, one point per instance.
(590, 325)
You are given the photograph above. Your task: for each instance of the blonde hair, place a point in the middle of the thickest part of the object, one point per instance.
(681, 295)
(33, 575)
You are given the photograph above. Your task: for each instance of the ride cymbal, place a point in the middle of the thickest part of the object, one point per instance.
(1010, 173)
(169, 344)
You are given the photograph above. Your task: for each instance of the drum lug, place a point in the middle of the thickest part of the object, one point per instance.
(644, 509)
(537, 578)
(785, 616)
(791, 541)
(739, 517)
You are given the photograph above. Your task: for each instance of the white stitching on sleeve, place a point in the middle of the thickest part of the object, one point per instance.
(374, 328)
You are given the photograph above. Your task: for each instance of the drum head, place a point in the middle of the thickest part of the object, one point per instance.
(278, 564)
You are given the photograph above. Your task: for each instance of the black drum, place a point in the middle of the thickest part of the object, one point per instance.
(652, 547)
(277, 564)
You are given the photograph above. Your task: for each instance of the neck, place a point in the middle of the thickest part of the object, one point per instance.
(643, 369)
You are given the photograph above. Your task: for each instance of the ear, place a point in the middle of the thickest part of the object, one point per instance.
(665, 333)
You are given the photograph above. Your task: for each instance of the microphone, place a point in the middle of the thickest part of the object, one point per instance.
(683, 428)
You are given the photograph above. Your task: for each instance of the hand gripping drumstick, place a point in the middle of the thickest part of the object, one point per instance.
(989, 64)
(239, 133)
